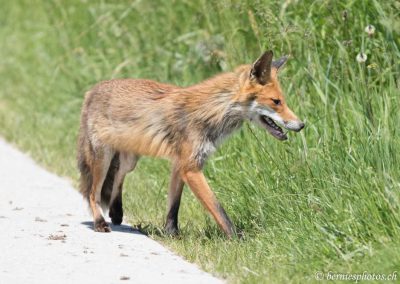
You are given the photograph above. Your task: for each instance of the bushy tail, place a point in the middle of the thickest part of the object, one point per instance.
(86, 178)
(84, 153)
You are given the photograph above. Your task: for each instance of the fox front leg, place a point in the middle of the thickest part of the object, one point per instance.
(197, 182)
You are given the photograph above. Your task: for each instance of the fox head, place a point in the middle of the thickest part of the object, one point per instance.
(264, 99)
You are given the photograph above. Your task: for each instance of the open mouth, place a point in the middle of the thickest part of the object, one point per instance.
(272, 128)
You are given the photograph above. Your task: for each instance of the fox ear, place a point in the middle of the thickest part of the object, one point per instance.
(261, 70)
(280, 62)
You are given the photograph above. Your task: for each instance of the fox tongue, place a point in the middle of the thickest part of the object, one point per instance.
(273, 129)
(277, 134)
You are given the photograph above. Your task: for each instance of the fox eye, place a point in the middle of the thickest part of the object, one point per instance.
(276, 102)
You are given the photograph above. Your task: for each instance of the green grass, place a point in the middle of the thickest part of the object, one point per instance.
(326, 200)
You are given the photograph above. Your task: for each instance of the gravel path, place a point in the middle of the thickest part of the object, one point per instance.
(47, 236)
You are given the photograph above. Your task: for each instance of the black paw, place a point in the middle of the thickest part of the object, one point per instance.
(171, 229)
(116, 220)
(116, 212)
(100, 225)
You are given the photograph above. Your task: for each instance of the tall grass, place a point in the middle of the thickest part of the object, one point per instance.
(327, 200)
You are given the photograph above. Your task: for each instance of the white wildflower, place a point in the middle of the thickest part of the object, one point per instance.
(361, 57)
(370, 30)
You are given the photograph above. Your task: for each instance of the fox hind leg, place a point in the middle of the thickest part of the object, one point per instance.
(174, 199)
(127, 163)
(116, 212)
(99, 169)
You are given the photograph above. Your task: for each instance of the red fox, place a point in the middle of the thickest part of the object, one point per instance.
(124, 119)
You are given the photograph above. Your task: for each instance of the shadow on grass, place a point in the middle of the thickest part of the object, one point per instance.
(208, 233)
(154, 231)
